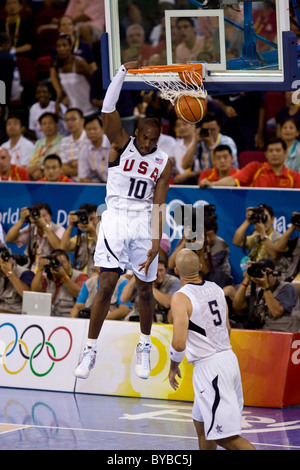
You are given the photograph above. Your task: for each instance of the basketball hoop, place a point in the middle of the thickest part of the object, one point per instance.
(174, 80)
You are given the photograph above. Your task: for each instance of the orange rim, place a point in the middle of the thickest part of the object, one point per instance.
(168, 68)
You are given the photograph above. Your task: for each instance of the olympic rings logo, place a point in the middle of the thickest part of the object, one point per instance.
(24, 351)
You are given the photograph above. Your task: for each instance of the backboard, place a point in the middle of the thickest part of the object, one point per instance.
(245, 46)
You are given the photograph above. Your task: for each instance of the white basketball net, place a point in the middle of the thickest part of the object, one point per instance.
(172, 86)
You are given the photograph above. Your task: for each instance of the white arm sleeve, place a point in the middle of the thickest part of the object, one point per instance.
(113, 91)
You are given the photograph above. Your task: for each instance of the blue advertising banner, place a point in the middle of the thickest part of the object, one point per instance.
(231, 205)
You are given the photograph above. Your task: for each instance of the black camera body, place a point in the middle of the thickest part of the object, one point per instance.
(54, 262)
(5, 254)
(256, 270)
(35, 213)
(295, 220)
(204, 133)
(258, 215)
(83, 217)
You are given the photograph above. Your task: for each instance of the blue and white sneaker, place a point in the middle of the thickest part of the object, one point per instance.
(87, 363)
(143, 367)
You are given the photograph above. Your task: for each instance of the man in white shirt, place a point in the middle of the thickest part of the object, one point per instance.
(93, 158)
(44, 104)
(18, 147)
(71, 146)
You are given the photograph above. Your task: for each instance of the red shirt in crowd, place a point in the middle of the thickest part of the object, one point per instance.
(62, 179)
(211, 174)
(261, 175)
(17, 173)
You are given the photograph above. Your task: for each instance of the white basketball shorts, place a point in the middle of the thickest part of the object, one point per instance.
(124, 241)
(218, 395)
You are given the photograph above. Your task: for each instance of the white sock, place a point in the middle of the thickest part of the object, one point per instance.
(145, 339)
(91, 343)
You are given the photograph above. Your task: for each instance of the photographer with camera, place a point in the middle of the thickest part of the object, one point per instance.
(290, 248)
(271, 304)
(117, 310)
(206, 139)
(41, 235)
(83, 244)
(14, 280)
(261, 242)
(56, 276)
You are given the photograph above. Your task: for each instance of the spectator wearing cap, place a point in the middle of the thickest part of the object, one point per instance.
(276, 302)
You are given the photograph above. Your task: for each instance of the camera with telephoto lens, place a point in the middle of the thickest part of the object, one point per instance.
(83, 217)
(20, 259)
(295, 220)
(258, 215)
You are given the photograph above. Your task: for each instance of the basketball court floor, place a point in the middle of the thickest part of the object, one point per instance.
(42, 420)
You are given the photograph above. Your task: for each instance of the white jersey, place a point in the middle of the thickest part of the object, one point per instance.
(132, 179)
(207, 333)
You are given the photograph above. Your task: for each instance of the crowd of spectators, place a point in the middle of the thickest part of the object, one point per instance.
(52, 133)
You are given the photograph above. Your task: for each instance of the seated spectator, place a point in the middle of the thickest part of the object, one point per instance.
(193, 47)
(290, 132)
(164, 287)
(89, 18)
(20, 29)
(118, 309)
(290, 111)
(222, 161)
(289, 247)
(48, 145)
(57, 277)
(275, 305)
(14, 280)
(40, 236)
(272, 174)
(52, 170)
(137, 48)
(72, 144)
(74, 76)
(93, 159)
(80, 48)
(83, 244)
(185, 138)
(10, 172)
(218, 252)
(18, 147)
(209, 137)
(44, 104)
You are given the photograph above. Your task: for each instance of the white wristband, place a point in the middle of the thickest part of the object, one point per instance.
(176, 356)
(113, 91)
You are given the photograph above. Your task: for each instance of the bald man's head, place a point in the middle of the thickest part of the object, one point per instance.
(187, 263)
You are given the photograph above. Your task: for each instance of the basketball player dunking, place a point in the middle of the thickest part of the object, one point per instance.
(201, 332)
(131, 228)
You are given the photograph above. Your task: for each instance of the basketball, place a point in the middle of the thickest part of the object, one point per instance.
(190, 109)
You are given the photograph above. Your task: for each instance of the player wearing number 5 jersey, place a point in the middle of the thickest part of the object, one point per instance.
(201, 332)
(131, 227)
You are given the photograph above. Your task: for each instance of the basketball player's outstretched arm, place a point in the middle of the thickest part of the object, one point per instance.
(112, 124)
